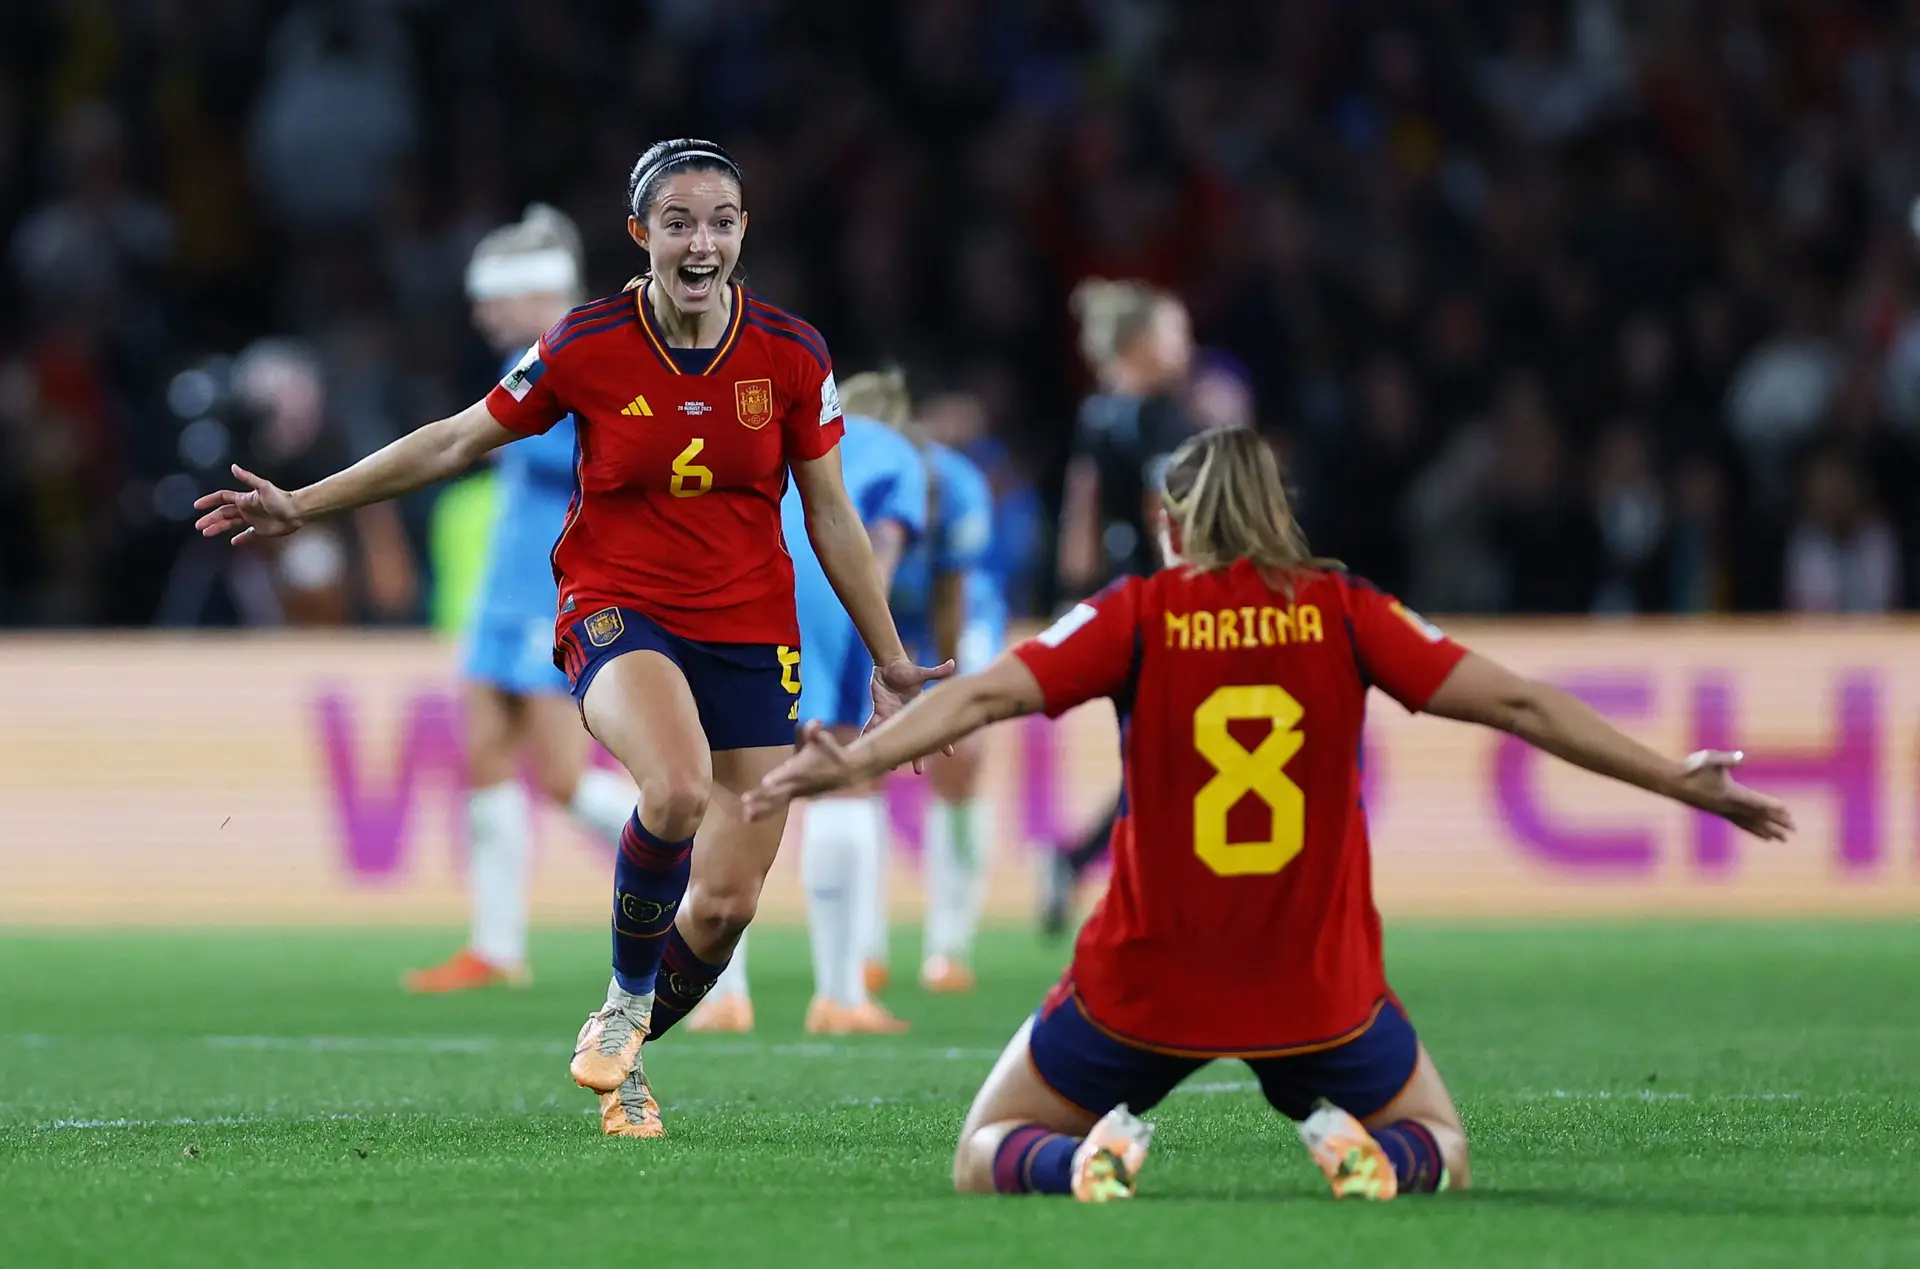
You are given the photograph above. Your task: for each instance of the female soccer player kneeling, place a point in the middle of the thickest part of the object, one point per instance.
(1207, 946)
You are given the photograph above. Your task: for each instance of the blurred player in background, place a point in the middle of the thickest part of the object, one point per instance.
(1226, 934)
(694, 403)
(842, 839)
(1138, 342)
(932, 591)
(523, 278)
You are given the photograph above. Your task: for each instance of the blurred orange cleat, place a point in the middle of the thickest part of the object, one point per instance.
(877, 976)
(1352, 1160)
(630, 1111)
(943, 975)
(829, 1017)
(729, 1014)
(465, 970)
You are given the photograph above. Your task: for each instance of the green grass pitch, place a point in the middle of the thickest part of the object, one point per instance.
(1638, 1095)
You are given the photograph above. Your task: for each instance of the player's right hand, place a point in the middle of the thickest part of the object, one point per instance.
(263, 509)
(820, 765)
(1708, 786)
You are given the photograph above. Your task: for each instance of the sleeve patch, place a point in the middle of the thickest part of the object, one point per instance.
(829, 400)
(1428, 631)
(1062, 630)
(525, 373)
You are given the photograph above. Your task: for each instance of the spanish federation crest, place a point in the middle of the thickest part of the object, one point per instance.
(604, 627)
(754, 400)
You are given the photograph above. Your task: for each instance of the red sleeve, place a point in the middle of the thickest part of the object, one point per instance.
(525, 400)
(1089, 652)
(812, 425)
(1402, 653)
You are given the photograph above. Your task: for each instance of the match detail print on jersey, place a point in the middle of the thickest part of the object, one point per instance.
(1239, 771)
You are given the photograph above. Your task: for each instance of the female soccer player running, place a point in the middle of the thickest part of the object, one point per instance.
(523, 278)
(692, 402)
(1213, 944)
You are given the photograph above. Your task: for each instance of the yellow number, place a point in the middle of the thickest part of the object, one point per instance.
(1239, 771)
(790, 678)
(690, 479)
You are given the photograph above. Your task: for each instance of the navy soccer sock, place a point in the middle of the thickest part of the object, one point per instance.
(1034, 1160)
(649, 880)
(684, 982)
(1415, 1154)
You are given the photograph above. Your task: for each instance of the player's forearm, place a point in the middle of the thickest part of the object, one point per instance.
(1566, 727)
(440, 449)
(949, 614)
(932, 721)
(846, 556)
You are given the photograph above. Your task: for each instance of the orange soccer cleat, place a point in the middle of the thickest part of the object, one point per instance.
(1107, 1164)
(465, 970)
(630, 1111)
(1352, 1160)
(876, 975)
(607, 1049)
(730, 1014)
(942, 975)
(829, 1017)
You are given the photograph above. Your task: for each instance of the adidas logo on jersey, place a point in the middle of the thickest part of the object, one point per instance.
(637, 408)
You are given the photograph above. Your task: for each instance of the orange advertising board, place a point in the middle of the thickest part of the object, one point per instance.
(256, 780)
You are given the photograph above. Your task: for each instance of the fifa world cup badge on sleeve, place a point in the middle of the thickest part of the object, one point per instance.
(1428, 631)
(524, 375)
(604, 627)
(753, 398)
(829, 400)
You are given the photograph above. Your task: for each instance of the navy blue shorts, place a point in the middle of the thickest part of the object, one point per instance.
(748, 693)
(1097, 1071)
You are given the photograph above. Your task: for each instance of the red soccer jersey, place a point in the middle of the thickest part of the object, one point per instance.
(678, 475)
(1240, 916)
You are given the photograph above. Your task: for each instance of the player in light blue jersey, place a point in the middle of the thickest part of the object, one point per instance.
(946, 605)
(522, 279)
(842, 838)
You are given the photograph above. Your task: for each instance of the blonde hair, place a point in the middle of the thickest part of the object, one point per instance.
(879, 394)
(1112, 315)
(1225, 491)
(542, 227)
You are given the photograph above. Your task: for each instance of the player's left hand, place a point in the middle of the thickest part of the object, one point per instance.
(819, 765)
(896, 683)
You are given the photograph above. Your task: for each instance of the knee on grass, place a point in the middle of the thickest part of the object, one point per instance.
(973, 1159)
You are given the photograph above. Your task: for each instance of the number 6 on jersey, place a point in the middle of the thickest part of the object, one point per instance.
(1239, 771)
(690, 479)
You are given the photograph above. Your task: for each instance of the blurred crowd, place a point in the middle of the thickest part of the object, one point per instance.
(1568, 306)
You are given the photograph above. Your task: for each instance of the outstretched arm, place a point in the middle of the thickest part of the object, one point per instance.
(440, 449)
(1005, 689)
(1485, 692)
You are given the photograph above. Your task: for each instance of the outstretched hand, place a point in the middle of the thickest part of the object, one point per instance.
(263, 509)
(1708, 785)
(898, 682)
(819, 765)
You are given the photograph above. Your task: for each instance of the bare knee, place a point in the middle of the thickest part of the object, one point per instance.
(973, 1159)
(673, 802)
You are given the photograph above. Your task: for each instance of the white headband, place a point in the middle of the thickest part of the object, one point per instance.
(528, 273)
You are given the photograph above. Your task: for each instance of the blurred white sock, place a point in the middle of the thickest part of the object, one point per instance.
(733, 979)
(875, 922)
(828, 868)
(602, 803)
(956, 873)
(499, 832)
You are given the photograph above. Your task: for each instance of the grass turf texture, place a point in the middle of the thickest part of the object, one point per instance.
(1637, 1095)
